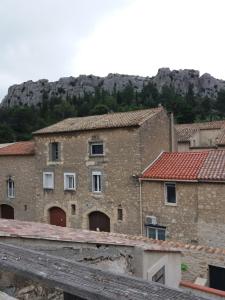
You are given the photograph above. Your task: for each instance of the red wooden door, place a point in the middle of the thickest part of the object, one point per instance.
(99, 221)
(57, 216)
(7, 211)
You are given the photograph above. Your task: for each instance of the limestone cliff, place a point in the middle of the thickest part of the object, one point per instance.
(32, 93)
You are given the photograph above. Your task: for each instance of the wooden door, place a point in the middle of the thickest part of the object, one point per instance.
(57, 216)
(7, 211)
(99, 221)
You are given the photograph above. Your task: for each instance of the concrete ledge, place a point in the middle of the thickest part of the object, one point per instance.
(201, 288)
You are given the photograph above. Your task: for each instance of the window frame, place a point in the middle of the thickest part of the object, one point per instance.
(44, 181)
(66, 175)
(58, 159)
(156, 228)
(10, 195)
(99, 183)
(91, 144)
(166, 184)
(120, 214)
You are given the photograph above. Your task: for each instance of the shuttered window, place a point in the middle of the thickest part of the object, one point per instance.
(48, 180)
(96, 181)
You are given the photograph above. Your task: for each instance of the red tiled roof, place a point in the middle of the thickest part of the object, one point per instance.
(214, 166)
(19, 148)
(176, 165)
(199, 166)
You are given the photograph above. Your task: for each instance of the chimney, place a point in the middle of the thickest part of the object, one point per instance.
(172, 146)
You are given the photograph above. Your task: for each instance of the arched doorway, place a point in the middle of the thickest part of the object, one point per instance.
(57, 216)
(99, 221)
(7, 211)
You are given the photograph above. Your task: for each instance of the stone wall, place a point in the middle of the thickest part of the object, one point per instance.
(180, 219)
(198, 261)
(120, 162)
(211, 211)
(22, 171)
(198, 217)
(127, 151)
(154, 138)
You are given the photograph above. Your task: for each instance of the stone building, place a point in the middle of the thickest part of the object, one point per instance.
(200, 136)
(84, 171)
(17, 181)
(182, 197)
(87, 168)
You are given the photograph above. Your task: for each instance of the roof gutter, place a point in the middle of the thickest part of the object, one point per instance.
(167, 179)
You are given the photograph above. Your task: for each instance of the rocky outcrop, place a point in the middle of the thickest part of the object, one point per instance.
(32, 93)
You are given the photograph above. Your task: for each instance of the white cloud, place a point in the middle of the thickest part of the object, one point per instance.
(56, 38)
(39, 38)
(149, 34)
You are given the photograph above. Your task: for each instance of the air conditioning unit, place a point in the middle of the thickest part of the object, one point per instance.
(151, 220)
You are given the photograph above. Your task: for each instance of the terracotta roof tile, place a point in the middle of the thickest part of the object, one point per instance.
(213, 167)
(221, 137)
(114, 120)
(19, 148)
(199, 166)
(176, 165)
(33, 230)
(186, 131)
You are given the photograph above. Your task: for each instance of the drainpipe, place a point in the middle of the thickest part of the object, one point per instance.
(171, 132)
(140, 199)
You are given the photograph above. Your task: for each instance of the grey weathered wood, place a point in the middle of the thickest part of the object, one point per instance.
(81, 280)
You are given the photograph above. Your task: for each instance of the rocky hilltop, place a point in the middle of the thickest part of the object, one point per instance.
(32, 93)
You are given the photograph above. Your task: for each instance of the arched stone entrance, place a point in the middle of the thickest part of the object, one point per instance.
(57, 216)
(6, 211)
(99, 221)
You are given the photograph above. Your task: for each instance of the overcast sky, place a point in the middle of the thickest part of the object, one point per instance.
(56, 38)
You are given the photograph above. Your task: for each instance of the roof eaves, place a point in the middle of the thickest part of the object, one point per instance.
(84, 129)
(167, 179)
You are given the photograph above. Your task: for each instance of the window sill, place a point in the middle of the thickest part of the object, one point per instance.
(70, 190)
(58, 162)
(170, 204)
(96, 155)
(96, 194)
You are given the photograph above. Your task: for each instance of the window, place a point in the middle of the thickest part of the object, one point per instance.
(48, 180)
(96, 181)
(96, 149)
(120, 214)
(156, 233)
(69, 181)
(170, 193)
(10, 188)
(54, 151)
(159, 276)
(73, 209)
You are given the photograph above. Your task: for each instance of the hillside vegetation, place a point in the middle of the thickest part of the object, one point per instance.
(18, 122)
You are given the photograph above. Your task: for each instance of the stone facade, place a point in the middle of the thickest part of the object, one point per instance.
(21, 169)
(198, 216)
(126, 152)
